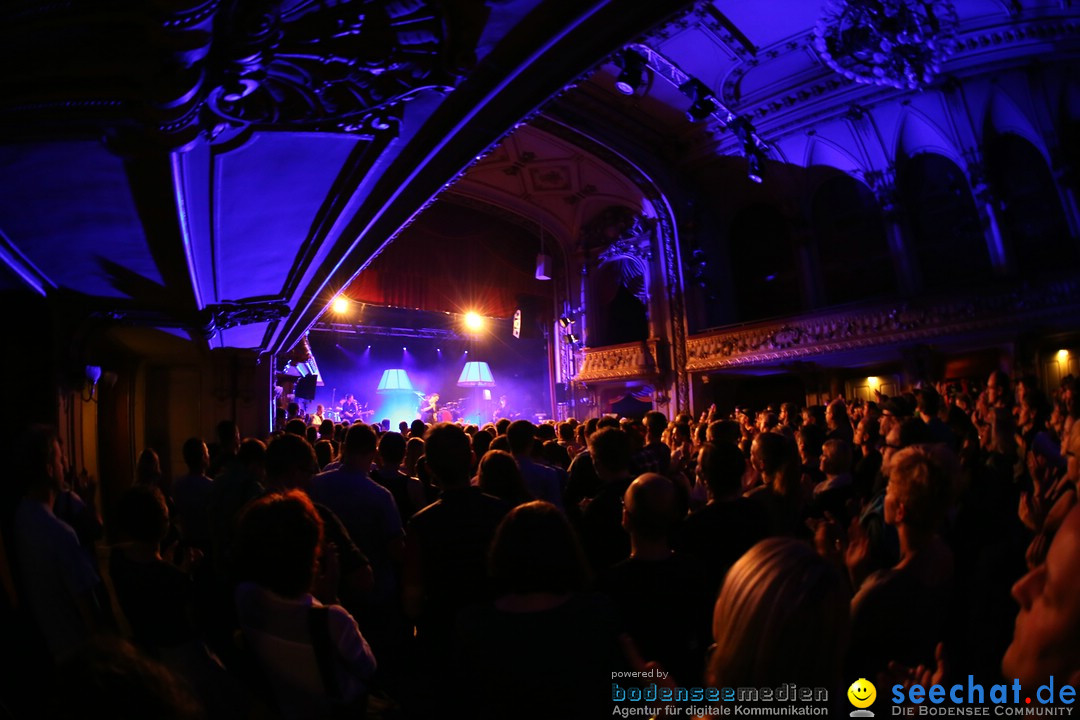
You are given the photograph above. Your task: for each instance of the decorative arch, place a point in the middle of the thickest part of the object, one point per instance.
(1031, 214)
(917, 134)
(852, 248)
(1003, 115)
(820, 151)
(945, 229)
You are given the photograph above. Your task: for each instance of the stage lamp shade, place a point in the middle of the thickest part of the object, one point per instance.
(476, 374)
(566, 321)
(395, 379)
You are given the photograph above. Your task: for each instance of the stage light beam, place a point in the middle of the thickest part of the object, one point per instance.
(473, 322)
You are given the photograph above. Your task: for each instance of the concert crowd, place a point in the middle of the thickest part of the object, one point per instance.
(338, 569)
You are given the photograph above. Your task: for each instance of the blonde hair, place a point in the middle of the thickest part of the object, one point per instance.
(781, 617)
(923, 476)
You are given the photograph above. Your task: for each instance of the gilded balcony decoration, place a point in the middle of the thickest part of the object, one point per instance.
(797, 338)
(621, 362)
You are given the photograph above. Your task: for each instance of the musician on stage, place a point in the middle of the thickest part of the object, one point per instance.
(503, 410)
(350, 409)
(429, 408)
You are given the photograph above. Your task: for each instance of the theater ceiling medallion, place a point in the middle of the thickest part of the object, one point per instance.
(895, 43)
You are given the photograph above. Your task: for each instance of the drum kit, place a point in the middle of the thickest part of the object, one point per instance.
(450, 410)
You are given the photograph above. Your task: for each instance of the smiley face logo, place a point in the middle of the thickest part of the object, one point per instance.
(862, 693)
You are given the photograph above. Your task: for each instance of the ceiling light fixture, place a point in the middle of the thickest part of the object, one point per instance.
(896, 43)
(632, 66)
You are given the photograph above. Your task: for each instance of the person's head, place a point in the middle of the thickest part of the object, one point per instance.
(403, 428)
(680, 434)
(499, 475)
(414, 450)
(326, 429)
(1000, 435)
(927, 402)
(650, 508)
(252, 456)
(566, 432)
(781, 616)
(997, 388)
(324, 453)
(360, 442)
(312, 434)
(610, 451)
(866, 432)
(1072, 453)
(536, 551)
(521, 434)
(501, 426)
(449, 455)
(836, 415)
(776, 457)
(808, 442)
(290, 462)
(544, 432)
(721, 466)
(228, 436)
(319, 410)
(789, 414)
(296, 426)
(655, 422)
(1046, 636)
(836, 457)
(481, 442)
(391, 449)
(555, 455)
(40, 463)
(417, 429)
(920, 488)
(148, 467)
(142, 515)
(278, 541)
(723, 431)
(196, 456)
(767, 420)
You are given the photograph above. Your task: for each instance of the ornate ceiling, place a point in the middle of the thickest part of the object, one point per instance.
(225, 168)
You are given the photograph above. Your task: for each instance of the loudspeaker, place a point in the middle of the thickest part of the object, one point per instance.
(543, 267)
(305, 387)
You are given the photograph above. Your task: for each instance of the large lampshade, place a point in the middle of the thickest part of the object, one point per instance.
(395, 379)
(476, 374)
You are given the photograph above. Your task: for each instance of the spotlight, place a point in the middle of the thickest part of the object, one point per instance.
(572, 339)
(755, 165)
(473, 322)
(566, 321)
(632, 66)
(742, 129)
(704, 103)
(341, 305)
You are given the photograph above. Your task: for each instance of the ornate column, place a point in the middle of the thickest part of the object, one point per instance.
(883, 184)
(987, 203)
